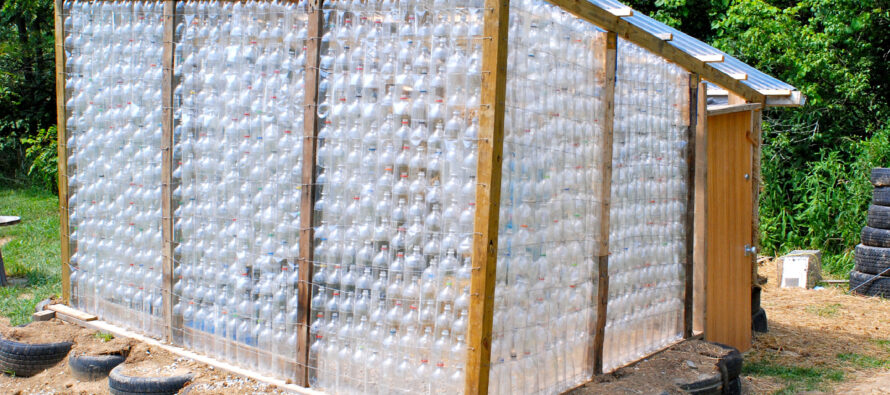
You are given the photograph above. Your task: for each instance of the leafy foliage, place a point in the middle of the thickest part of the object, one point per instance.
(27, 80)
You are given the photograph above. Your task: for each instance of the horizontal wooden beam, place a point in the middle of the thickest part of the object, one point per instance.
(740, 76)
(608, 21)
(665, 36)
(727, 109)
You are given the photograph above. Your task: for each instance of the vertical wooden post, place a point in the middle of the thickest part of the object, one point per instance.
(62, 143)
(167, 167)
(307, 191)
(688, 303)
(610, 63)
(488, 194)
(700, 256)
(756, 136)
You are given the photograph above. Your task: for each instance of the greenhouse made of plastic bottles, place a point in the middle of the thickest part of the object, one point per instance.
(385, 196)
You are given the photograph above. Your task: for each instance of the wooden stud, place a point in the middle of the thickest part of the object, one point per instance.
(167, 171)
(307, 191)
(62, 144)
(665, 36)
(689, 268)
(603, 18)
(739, 76)
(610, 63)
(756, 136)
(488, 193)
(700, 265)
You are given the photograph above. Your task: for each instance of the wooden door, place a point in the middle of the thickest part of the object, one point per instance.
(730, 153)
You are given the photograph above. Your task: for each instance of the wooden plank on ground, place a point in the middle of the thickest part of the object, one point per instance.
(62, 144)
(63, 309)
(610, 63)
(689, 268)
(488, 193)
(307, 191)
(167, 171)
(609, 22)
(700, 265)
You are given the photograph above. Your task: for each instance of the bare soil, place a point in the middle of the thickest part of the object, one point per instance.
(142, 360)
(813, 328)
(686, 362)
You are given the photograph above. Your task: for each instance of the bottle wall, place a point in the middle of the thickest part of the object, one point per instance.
(238, 101)
(397, 152)
(550, 204)
(648, 213)
(399, 89)
(113, 108)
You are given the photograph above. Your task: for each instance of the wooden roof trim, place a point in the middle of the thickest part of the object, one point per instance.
(608, 21)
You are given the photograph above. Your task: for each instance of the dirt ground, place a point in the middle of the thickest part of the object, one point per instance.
(140, 358)
(823, 329)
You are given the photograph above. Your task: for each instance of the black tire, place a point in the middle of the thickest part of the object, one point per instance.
(93, 367)
(880, 177)
(756, 291)
(875, 237)
(26, 360)
(881, 196)
(872, 260)
(759, 322)
(879, 217)
(734, 387)
(873, 285)
(119, 383)
(704, 384)
(731, 363)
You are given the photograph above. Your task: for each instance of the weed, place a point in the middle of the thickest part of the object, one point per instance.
(826, 311)
(864, 361)
(796, 378)
(104, 336)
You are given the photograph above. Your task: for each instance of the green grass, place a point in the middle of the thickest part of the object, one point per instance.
(33, 251)
(864, 361)
(795, 378)
(826, 311)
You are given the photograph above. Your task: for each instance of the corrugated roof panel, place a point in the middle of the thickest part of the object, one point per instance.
(686, 43)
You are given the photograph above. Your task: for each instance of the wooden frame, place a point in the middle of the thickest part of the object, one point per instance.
(700, 241)
(490, 155)
(488, 194)
(62, 143)
(610, 65)
(689, 268)
(167, 170)
(307, 192)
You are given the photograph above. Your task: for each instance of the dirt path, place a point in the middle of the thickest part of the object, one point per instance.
(821, 340)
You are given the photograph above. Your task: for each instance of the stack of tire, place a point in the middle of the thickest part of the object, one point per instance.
(871, 276)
